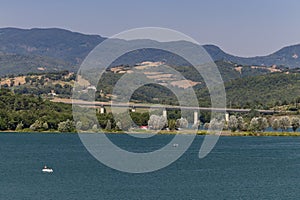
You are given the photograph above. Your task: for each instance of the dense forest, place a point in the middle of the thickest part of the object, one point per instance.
(22, 111)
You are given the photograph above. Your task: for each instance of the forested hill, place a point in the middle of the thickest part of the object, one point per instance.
(264, 91)
(261, 92)
(287, 57)
(60, 44)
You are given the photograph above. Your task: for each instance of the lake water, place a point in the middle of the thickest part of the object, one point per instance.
(238, 168)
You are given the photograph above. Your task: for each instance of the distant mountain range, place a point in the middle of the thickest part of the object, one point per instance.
(56, 43)
(34, 50)
(287, 57)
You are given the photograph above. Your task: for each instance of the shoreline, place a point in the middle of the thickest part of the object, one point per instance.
(165, 132)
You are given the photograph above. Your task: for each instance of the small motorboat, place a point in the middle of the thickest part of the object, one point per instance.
(47, 170)
(175, 145)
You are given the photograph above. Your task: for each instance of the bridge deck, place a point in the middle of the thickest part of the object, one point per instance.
(168, 107)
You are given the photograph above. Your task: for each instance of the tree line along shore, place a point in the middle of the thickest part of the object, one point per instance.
(29, 113)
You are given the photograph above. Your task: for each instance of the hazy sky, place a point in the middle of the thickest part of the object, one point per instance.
(246, 28)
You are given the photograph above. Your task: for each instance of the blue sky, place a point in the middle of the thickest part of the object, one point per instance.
(246, 28)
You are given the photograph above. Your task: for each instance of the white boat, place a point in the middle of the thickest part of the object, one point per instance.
(175, 145)
(47, 170)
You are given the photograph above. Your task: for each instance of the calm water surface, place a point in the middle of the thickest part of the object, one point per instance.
(238, 168)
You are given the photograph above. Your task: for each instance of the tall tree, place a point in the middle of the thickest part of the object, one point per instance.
(157, 122)
(254, 126)
(182, 123)
(240, 123)
(295, 123)
(284, 123)
(262, 123)
(233, 123)
(275, 124)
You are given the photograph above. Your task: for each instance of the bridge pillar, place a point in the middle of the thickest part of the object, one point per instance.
(165, 113)
(227, 117)
(196, 118)
(102, 110)
(133, 109)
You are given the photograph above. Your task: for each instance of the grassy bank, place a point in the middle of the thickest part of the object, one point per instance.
(166, 132)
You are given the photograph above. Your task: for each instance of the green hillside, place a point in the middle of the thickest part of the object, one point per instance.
(24, 64)
(260, 92)
(60, 44)
(264, 91)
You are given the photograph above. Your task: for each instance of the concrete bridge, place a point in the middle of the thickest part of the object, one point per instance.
(168, 107)
(132, 106)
